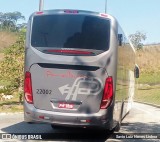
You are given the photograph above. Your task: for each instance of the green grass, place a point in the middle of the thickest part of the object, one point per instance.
(149, 88)
(11, 108)
(151, 78)
(4, 83)
(12, 105)
(151, 95)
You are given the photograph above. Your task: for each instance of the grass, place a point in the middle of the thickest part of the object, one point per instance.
(12, 105)
(4, 83)
(151, 95)
(151, 78)
(148, 60)
(148, 88)
(6, 39)
(11, 108)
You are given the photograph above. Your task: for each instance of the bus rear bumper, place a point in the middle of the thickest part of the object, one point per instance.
(99, 119)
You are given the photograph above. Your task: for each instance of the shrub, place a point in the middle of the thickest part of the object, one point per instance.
(12, 66)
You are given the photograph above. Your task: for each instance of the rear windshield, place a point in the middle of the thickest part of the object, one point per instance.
(70, 31)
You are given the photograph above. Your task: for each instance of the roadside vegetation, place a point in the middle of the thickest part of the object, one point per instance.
(148, 59)
(148, 85)
(11, 105)
(12, 38)
(7, 39)
(11, 76)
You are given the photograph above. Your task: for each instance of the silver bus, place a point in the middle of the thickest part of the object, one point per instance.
(79, 70)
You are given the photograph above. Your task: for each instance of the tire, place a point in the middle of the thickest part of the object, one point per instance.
(30, 122)
(55, 126)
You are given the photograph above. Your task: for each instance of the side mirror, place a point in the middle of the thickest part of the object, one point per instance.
(120, 39)
(136, 71)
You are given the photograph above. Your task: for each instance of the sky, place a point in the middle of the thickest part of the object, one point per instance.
(133, 15)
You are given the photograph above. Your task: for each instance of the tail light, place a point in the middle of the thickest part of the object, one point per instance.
(71, 11)
(39, 13)
(77, 52)
(103, 15)
(28, 88)
(107, 93)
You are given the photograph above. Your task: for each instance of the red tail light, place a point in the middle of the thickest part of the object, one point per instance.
(70, 51)
(103, 15)
(39, 12)
(28, 88)
(71, 11)
(107, 93)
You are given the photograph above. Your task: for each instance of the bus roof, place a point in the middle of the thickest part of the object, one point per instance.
(70, 11)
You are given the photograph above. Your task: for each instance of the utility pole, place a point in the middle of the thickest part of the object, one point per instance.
(105, 6)
(41, 5)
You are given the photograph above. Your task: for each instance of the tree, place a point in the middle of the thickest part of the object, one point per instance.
(9, 20)
(21, 27)
(137, 39)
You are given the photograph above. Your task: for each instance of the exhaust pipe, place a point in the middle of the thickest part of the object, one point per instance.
(41, 5)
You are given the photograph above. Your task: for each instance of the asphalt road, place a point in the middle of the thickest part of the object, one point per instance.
(141, 119)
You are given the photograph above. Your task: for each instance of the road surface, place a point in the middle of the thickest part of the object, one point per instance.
(141, 119)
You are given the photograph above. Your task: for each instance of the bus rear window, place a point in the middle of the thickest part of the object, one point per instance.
(70, 31)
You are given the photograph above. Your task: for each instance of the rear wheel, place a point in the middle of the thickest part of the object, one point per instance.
(55, 126)
(30, 122)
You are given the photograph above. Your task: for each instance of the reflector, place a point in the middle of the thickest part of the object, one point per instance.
(103, 15)
(41, 117)
(71, 11)
(39, 13)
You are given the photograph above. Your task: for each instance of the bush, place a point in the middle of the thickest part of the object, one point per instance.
(12, 66)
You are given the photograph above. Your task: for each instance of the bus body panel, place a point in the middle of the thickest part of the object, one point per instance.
(80, 88)
(125, 86)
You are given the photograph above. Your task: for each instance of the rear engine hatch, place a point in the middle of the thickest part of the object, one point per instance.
(67, 88)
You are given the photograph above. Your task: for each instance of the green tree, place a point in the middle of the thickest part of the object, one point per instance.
(21, 27)
(9, 20)
(11, 68)
(137, 39)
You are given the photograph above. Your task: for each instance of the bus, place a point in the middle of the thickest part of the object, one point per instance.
(80, 70)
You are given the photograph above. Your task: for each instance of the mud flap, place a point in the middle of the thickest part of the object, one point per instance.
(118, 126)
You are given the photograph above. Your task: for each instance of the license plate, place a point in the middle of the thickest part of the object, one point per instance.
(65, 105)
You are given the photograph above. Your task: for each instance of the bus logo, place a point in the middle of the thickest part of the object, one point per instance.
(94, 88)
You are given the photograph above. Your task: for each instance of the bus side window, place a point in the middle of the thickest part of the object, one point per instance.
(120, 39)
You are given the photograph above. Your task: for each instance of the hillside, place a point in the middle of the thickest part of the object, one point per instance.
(7, 39)
(148, 59)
